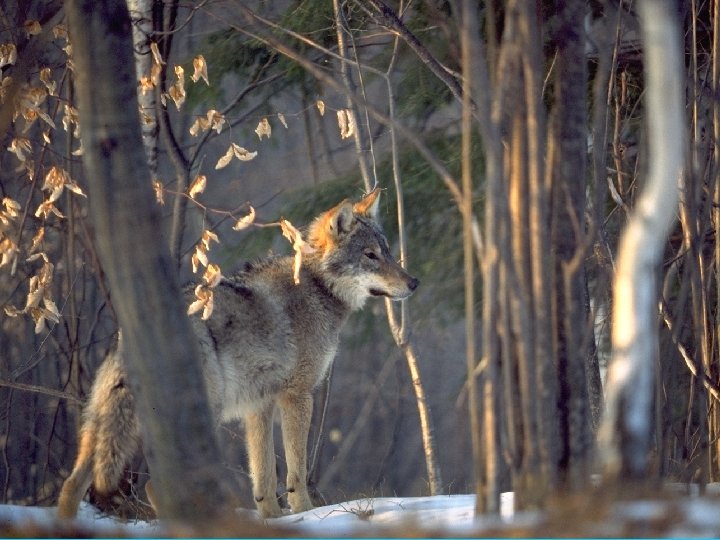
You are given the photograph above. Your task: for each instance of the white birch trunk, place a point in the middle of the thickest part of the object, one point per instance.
(142, 27)
(625, 432)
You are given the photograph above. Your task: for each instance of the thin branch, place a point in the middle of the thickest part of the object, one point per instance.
(712, 388)
(40, 390)
(389, 19)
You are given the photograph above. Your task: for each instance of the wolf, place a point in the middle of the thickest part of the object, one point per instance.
(266, 346)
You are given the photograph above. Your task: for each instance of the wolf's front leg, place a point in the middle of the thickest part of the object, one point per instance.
(261, 457)
(296, 412)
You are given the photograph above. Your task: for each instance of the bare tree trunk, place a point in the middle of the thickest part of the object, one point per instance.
(162, 359)
(567, 164)
(468, 30)
(141, 17)
(714, 435)
(625, 433)
(485, 428)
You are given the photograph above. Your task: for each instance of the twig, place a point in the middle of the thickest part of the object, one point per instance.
(40, 390)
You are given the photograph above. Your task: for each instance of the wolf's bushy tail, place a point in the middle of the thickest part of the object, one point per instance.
(109, 435)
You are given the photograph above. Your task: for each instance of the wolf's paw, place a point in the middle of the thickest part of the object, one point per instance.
(300, 502)
(268, 507)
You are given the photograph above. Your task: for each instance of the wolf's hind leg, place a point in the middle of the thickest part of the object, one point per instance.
(296, 412)
(261, 457)
(74, 488)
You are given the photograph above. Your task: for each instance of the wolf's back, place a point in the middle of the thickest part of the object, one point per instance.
(109, 435)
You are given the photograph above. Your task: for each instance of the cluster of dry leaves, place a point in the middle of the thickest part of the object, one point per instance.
(31, 105)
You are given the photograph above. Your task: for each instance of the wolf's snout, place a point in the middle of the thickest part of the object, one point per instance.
(413, 283)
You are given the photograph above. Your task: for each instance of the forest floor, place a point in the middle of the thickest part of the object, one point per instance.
(668, 515)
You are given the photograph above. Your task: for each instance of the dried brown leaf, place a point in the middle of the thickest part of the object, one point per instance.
(21, 147)
(200, 69)
(32, 28)
(159, 191)
(245, 222)
(212, 275)
(8, 54)
(299, 245)
(242, 154)
(156, 53)
(197, 186)
(37, 239)
(225, 159)
(12, 208)
(207, 237)
(346, 122)
(47, 80)
(263, 129)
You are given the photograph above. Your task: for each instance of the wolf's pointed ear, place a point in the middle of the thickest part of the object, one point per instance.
(341, 219)
(368, 205)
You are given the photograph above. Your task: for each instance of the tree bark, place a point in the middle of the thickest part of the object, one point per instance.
(625, 433)
(569, 169)
(162, 359)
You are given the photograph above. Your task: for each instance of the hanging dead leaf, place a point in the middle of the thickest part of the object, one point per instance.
(11, 208)
(47, 80)
(8, 251)
(156, 53)
(32, 28)
(242, 154)
(207, 237)
(177, 91)
(203, 300)
(200, 124)
(235, 151)
(59, 31)
(35, 294)
(177, 94)
(346, 122)
(299, 246)
(216, 120)
(212, 275)
(198, 258)
(58, 179)
(146, 84)
(212, 120)
(321, 106)
(200, 69)
(71, 117)
(263, 129)
(37, 239)
(155, 72)
(197, 186)
(46, 208)
(12, 311)
(21, 147)
(245, 222)
(225, 159)
(281, 117)
(159, 191)
(8, 54)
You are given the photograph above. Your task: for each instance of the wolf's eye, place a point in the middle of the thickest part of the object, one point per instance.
(371, 255)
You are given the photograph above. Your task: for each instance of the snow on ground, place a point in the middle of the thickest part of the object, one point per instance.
(451, 513)
(448, 515)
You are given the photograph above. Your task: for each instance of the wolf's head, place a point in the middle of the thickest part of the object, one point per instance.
(355, 258)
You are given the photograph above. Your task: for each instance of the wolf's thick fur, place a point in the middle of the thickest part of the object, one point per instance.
(268, 343)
